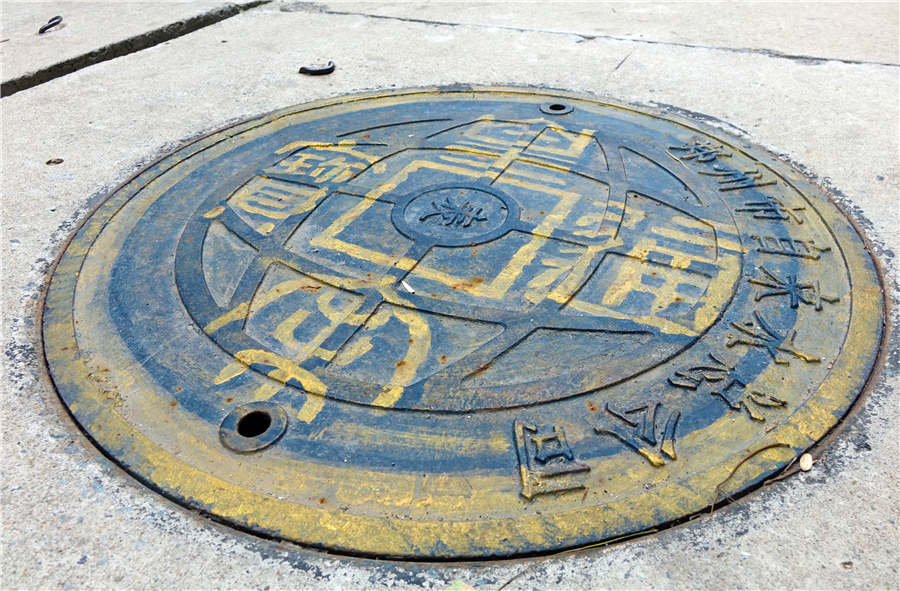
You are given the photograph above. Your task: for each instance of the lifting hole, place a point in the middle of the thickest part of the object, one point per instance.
(254, 424)
(557, 108)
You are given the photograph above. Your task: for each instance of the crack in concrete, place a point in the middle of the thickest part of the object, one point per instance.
(802, 58)
(126, 46)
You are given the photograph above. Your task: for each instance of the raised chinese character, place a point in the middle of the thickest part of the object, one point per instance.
(705, 151)
(790, 247)
(448, 213)
(731, 179)
(691, 378)
(761, 335)
(641, 429)
(325, 164)
(264, 203)
(772, 208)
(799, 293)
(336, 170)
(720, 379)
(546, 462)
(740, 397)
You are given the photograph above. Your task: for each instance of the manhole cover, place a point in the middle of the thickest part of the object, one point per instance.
(461, 323)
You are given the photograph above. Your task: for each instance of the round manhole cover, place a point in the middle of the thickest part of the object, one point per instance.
(461, 323)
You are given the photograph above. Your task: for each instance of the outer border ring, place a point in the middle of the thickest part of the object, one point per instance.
(259, 514)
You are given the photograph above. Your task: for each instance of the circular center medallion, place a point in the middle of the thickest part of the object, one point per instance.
(455, 215)
(461, 323)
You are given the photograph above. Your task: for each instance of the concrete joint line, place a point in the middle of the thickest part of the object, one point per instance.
(804, 59)
(125, 47)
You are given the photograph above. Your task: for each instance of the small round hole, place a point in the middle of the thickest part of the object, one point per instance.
(556, 108)
(253, 427)
(254, 424)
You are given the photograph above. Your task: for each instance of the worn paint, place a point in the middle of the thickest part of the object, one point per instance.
(484, 328)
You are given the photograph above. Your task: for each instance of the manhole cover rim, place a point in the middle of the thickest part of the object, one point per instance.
(267, 518)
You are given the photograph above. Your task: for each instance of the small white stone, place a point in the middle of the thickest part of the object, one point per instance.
(806, 462)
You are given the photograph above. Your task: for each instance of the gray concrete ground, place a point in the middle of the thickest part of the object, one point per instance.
(817, 83)
(25, 51)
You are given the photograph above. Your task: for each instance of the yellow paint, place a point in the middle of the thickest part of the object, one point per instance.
(354, 351)
(578, 275)
(719, 290)
(260, 300)
(266, 391)
(555, 267)
(344, 147)
(701, 237)
(416, 354)
(328, 238)
(667, 294)
(285, 369)
(214, 212)
(590, 219)
(531, 173)
(325, 167)
(239, 312)
(464, 444)
(311, 408)
(477, 164)
(507, 276)
(577, 142)
(499, 165)
(628, 280)
(229, 372)
(389, 396)
(284, 332)
(276, 200)
(336, 317)
(663, 325)
(474, 150)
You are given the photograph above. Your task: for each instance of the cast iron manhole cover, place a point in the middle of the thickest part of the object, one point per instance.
(461, 323)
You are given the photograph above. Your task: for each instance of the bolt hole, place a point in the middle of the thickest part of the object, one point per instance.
(254, 424)
(556, 108)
